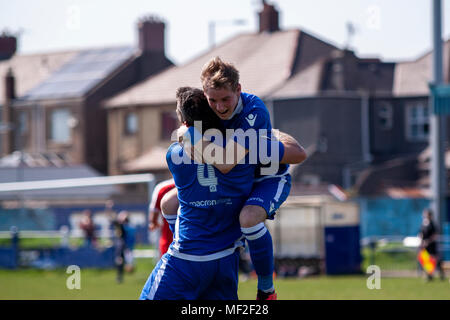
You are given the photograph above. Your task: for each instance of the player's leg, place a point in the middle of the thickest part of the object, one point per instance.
(225, 283)
(259, 241)
(169, 202)
(266, 197)
(159, 285)
(119, 260)
(440, 268)
(166, 238)
(177, 279)
(129, 260)
(433, 251)
(169, 207)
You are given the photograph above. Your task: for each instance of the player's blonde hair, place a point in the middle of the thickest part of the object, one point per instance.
(217, 74)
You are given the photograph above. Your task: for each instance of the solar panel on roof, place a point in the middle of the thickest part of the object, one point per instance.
(81, 73)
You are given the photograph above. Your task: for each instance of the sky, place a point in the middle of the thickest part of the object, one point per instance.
(393, 30)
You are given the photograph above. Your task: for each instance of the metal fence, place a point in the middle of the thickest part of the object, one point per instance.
(398, 255)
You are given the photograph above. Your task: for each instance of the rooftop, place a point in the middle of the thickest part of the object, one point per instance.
(261, 65)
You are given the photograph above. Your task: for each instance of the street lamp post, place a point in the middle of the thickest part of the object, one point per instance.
(212, 28)
(438, 128)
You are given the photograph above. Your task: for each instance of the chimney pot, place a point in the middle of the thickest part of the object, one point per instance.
(7, 117)
(268, 18)
(10, 85)
(8, 45)
(151, 34)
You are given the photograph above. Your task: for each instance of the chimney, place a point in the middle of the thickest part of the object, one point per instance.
(268, 18)
(7, 136)
(151, 35)
(8, 46)
(10, 86)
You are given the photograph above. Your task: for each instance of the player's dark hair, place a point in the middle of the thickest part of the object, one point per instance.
(192, 106)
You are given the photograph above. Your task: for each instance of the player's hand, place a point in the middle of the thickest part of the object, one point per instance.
(180, 132)
(152, 226)
(153, 221)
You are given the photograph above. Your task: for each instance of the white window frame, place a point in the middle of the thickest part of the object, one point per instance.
(51, 137)
(422, 118)
(134, 128)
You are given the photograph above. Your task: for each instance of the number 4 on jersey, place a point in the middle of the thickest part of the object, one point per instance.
(209, 181)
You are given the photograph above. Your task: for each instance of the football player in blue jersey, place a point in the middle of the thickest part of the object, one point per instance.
(202, 261)
(239, 110)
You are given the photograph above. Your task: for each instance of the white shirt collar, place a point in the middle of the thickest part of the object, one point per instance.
(238, 108)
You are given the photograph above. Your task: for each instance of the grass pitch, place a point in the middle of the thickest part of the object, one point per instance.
(97, 284)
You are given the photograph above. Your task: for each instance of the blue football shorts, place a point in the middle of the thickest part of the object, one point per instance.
(270, 193)
(178, 279)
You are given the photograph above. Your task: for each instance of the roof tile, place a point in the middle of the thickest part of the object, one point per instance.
(263, 60)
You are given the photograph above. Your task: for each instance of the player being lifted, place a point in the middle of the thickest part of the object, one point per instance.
(239, 110)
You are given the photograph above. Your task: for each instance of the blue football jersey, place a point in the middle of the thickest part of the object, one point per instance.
(207, 225)
(251, 113)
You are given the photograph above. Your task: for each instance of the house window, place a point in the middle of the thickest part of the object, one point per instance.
(169, 123)
(385, 116)
(59, 126)
(310, 179)
(417, 122)
(23, 123)
(131, 123)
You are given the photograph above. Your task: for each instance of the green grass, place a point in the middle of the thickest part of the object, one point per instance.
(352, 288)
(390, 258)
(100, 284)
(27, 243)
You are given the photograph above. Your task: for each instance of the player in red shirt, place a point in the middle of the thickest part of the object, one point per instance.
(155, 211)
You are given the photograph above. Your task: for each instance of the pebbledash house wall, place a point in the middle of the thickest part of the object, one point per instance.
(125, 147)
(330, 126)
(337, 122)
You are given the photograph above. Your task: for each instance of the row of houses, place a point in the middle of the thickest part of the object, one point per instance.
(363, 121)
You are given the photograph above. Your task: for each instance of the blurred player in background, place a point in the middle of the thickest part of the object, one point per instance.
(155, 219)
(429, 241)
(88, 227)
(123, 244)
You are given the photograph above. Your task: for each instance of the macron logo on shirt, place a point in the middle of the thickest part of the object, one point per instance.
(251, 118)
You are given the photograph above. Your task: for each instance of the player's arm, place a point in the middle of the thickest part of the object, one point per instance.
(202, 149)
(224, 159)
(154, 209)
(290, 152)
(170, 203)
(294, 153)
(169, 208)
(422, 241)
(153, 219)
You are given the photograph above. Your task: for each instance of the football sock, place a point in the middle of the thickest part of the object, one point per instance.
(261, 253)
